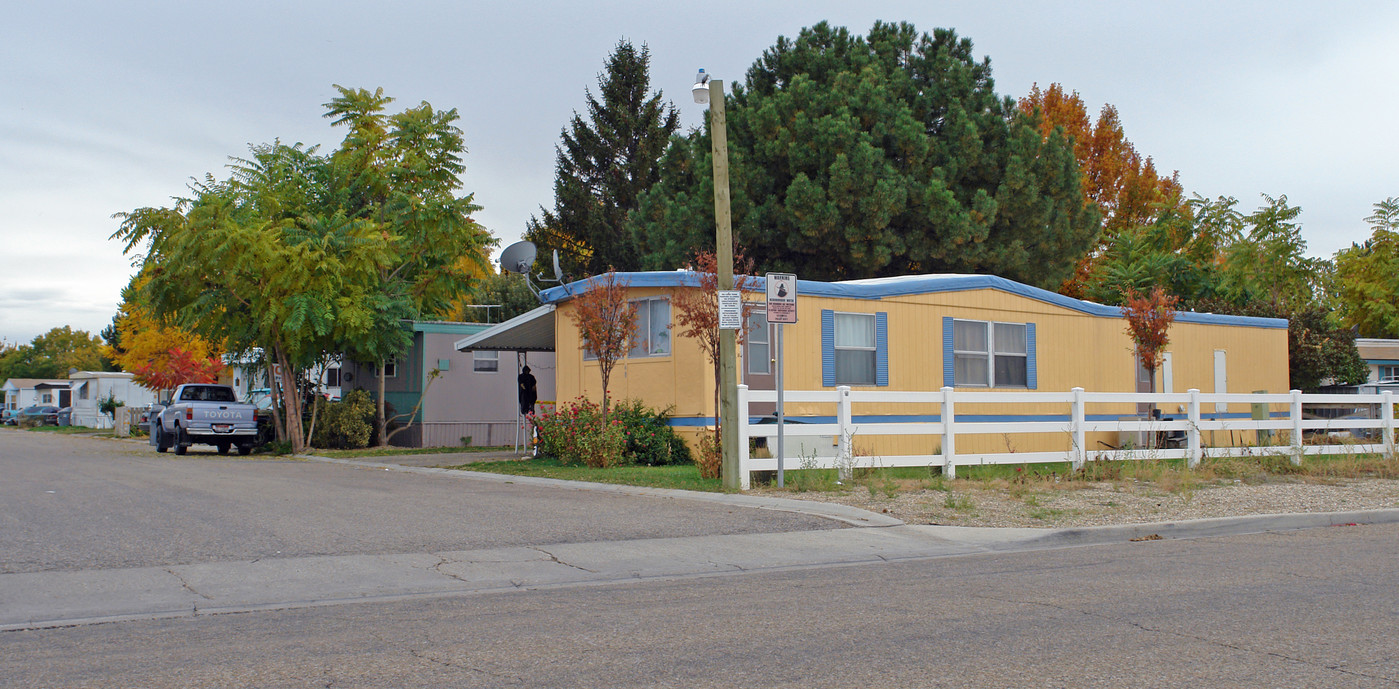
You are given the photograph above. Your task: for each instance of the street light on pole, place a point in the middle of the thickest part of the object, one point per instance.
(711, 91)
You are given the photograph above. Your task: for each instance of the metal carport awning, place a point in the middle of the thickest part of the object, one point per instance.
(528, 332)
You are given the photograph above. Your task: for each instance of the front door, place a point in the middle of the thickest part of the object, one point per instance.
(1143, 385)
(65, 398)
(759, 363)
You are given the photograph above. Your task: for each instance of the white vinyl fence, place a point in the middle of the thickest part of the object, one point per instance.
(803, 440)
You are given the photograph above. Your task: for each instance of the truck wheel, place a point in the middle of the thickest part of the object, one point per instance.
(223, 448)
(245, 450)
(181, 446)
(162, 441)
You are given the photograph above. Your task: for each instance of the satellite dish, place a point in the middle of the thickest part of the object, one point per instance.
(518, 257)
(558, 272)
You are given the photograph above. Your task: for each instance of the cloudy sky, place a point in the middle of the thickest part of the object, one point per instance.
(109, 106)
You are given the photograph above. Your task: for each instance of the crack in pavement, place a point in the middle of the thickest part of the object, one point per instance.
(423, 655)
(187, 587)
(1183, 635)
(556, 559)
(444, 561)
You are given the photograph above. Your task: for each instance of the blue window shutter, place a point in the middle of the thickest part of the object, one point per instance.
(828, 348)
(949, 376)
(881, 348)
(1031, 369)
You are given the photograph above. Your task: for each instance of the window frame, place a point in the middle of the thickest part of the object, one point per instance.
(643, 330)
(750, 340)
(873, 349)
(991, 353)
(477, 360)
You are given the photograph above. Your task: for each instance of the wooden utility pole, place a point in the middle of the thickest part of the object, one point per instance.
(724, 252)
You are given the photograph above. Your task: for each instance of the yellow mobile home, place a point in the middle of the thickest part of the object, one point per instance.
(912, 333)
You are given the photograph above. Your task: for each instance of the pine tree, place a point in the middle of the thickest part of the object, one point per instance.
(604, 163)
(887, 154)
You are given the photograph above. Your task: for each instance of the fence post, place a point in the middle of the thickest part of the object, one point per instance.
(744, 475)
(844, 452)
(1388, 415)
(1192, 434)
(1080, 435)
(1296, 413)
(949, 436)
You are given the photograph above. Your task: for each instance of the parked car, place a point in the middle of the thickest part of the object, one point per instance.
(65, 417)
(11, 417)
(43, 415)
(208, 414)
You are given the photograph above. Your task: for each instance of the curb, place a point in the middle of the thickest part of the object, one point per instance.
(1205, 528)
(844, 514)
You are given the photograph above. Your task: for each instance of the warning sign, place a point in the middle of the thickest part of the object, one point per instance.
(782, 298)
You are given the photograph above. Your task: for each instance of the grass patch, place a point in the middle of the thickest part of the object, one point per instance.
(397, 451)
(65, 430)
(684, 477)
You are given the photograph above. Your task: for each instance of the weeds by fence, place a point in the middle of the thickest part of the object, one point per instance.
(1281, 432)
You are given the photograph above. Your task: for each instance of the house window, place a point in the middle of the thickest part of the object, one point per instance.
(988, 354)
(1389, 374)
(854, 348)
(652, 327)
(82, 391)
(485, 361)
(759, 349)
(391, 370)
(332, 377)
(46, 398)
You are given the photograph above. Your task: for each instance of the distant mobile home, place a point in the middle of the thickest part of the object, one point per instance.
(911, 333)
(473, 396)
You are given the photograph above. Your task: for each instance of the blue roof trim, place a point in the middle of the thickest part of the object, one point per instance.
(881, 288)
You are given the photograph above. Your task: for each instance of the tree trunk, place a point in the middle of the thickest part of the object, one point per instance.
(291, 401)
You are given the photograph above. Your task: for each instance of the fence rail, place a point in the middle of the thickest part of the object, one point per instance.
(942, 422)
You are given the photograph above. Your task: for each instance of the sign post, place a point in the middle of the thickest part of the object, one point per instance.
(781, 309)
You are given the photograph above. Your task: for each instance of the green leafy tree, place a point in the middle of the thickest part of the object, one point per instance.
(604, 163)
(855, 157)
(264, 259)
(1268, 261)
(1179, 251)
(506, 289)
(1367, 276)
(53, 355)
(401, 173)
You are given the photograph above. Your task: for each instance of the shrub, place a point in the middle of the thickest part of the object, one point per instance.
(710, 460)
(650, 439)
(574, 434)
(346, 424)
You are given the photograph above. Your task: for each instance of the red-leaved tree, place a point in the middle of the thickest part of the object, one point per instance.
(1148, 320)
(175, 368)
(607, 324)
(697, 312)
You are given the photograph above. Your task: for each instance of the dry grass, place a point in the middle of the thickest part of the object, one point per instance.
(1118, 492)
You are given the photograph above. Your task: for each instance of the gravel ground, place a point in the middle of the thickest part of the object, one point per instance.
(1097, 504)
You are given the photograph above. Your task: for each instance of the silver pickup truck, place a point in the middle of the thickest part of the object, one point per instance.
(208, 414)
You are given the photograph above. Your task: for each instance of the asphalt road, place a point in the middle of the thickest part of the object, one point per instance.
(1310, 608)
(551, 587)
(72, 503)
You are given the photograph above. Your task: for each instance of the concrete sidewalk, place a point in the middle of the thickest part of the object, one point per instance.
(55, 599)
